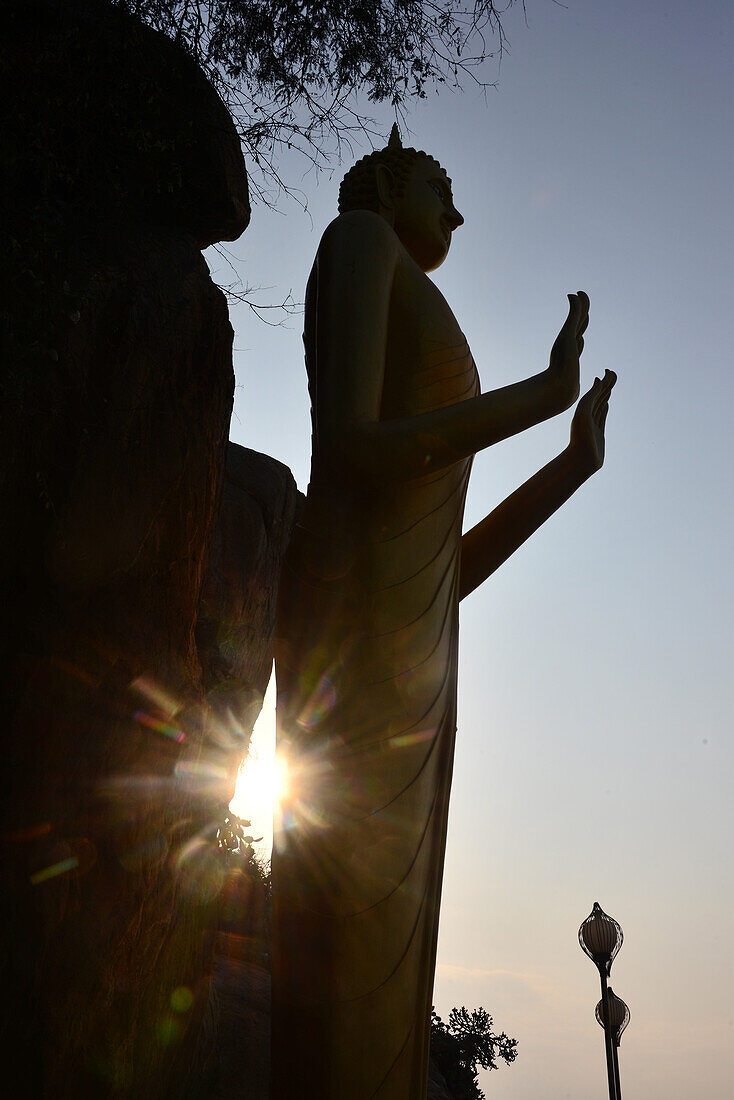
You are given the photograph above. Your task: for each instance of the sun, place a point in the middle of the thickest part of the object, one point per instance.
(261, 779)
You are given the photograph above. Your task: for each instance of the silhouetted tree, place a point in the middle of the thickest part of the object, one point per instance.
(233, 838)
(465, 1044)
(289, 69)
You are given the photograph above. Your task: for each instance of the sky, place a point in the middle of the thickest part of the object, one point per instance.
(594, 756)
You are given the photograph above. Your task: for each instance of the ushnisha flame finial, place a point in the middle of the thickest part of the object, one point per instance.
(395, 142)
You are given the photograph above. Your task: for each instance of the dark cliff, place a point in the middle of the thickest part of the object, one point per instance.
(117, 388)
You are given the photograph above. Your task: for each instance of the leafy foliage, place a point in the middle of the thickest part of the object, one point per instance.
(233, 838)
(465, 1044)
(289, 69)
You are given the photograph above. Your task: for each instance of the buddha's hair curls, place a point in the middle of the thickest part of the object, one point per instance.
(358, 189)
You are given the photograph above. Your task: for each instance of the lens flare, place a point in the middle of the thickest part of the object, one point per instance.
(55, 869)
(182, 999)
(319, 706)
(157, 724)
(262, 779)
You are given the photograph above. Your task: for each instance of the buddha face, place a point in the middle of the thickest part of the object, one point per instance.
(425, 215)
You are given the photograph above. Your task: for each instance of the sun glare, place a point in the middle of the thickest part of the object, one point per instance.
(260, 781)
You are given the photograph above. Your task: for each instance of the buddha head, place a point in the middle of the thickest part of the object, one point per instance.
(412, 192)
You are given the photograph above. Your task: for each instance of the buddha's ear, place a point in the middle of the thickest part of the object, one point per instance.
(385, 181)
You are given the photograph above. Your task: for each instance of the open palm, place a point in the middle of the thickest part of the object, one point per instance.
(587, 426)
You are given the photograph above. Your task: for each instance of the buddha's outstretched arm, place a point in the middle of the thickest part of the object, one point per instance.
(495, 538)
(356, 267)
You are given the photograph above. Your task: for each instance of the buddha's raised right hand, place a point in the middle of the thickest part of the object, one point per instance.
(564, 358)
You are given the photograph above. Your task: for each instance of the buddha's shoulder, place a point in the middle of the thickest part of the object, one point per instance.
(359, 231)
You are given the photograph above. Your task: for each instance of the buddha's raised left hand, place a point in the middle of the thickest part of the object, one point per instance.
(587, 426)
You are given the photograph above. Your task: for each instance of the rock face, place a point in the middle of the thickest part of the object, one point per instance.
(237, 612)
(235, 634)
(116, 399)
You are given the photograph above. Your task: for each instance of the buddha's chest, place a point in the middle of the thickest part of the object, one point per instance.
(428, 363)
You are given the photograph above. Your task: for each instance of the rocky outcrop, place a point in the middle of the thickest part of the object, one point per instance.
(116, 397)
(236, 619)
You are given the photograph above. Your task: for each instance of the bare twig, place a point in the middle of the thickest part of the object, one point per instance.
(291, 71)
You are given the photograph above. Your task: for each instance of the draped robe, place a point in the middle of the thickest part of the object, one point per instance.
(366, 665)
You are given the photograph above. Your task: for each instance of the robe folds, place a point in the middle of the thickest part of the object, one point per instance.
(366, 665)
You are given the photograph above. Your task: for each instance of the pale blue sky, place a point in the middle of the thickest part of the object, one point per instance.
(594, 754)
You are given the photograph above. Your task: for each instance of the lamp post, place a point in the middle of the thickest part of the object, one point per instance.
(600, 937)
(619, 1017)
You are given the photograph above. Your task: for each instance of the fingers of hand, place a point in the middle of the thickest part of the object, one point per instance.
(606, 384)
(578, 317)
(578, 305)
(583, 323)
(602, 388)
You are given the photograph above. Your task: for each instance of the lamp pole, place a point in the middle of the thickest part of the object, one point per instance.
(608, 1041)
(615, 1055)
(600, 937)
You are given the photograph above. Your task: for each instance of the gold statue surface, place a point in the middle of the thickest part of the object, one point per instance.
(366, 657)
